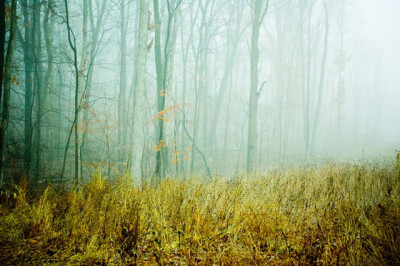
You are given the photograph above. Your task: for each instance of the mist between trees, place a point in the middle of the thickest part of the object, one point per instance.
(153, 89)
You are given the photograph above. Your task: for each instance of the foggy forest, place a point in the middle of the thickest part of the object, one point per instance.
(200, 132)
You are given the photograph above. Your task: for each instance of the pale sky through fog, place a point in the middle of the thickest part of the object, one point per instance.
(380, 26)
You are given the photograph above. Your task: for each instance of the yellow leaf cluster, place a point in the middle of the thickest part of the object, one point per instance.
(172, 109)
(158, 146)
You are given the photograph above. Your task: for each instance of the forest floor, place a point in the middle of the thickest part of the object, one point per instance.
(334, 214)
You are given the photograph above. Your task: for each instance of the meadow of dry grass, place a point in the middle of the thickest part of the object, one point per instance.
(337, 213)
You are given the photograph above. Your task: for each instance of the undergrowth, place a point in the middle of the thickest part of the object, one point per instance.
(345, 214)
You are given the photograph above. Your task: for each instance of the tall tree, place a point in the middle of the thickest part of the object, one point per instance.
(160, 90)
(95, 26)
(7, 83)
(164, 65)
(200, 54)
(139, 96)
(85, 47)
(185, 55)
(49, 97)
(340, 92)
(74, 126)
(38, 78)
(2, 43)
(233, 34)
(122, 110)
(28, 62)
(96, 22)
(321, 82)
(259, 9)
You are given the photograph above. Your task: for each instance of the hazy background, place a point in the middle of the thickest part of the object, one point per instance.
(379, 24)
(353, 115)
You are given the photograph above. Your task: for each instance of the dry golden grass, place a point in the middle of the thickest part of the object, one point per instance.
(345, 214)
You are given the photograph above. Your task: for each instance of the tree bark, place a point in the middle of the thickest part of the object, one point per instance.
(7, 83)
(321, 82)
(139, 96)
(49, 98)
(160, 90)
(258, 14)
(74, 126)
(37, 56)
(28, 59)
(233, 43)
(2, 43)
(122, 88)
(163, 69)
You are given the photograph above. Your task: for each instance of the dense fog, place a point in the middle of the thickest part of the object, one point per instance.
(179, 87)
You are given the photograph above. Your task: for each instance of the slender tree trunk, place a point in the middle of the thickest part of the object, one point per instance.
(232, 42)
(95, 31)
(139, 96)
(49, 98)
(258, 16)
(204, 82)
(321, 82)
(199, 83)
(82, 78)
(160, 90)
(308, 89)
(85, 48)
(28, 59)
(280, 76)
(185, 54)
(165, 67)
(340, 94)
(196, 115)
(170, 53)
(253, 103)
(7, 83)
(2, 43)
(303, 71)
(227, 123)
(122, 88)
(72, 44)
(87, 86)
(37, 53)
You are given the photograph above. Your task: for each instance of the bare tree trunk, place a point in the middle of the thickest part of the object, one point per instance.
(160, 90)
(85, 47)
(122, 88)
(7, 84)
(204, 82)
(72, 44)
(37, 53)
(196, 116)
(139, 96)
(321, 82)
(2, 43)
(340, 94)
(169, 78)
(227, 123)
(199, 83)
(303, 71)
(86, 92)
(49, 98)
(95, 31)
(27, 48)
(233, 43)
(258, 13)
(280, 76)
(185, 54)
(82, 79)
(308, 88)
(162, 78)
